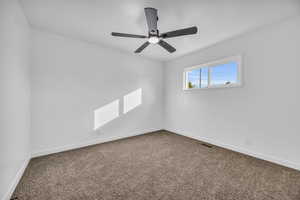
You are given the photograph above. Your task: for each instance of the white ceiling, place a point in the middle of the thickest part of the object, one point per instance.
(94, 20)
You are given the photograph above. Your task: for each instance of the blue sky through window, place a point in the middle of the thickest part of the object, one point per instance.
(224, 74)
(204, 77)
(194, 78)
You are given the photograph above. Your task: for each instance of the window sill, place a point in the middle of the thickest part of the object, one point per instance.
(237, 85)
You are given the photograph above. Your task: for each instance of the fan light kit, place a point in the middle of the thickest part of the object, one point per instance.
(153, 33)
(153, 40)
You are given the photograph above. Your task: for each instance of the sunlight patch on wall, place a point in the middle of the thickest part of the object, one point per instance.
(106, 114)
(132, 100)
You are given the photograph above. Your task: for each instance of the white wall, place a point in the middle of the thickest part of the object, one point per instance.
(71, 79)
(14, 94)
(262, 117)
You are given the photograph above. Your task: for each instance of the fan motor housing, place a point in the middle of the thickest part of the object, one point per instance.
(153, 33)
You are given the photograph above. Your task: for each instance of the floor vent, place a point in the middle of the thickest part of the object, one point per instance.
(207, 145)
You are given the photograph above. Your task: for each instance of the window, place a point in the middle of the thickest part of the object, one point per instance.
(222, 73)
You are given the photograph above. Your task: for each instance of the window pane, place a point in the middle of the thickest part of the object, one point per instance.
(224, 74)
(204, 77)
(193, 79)
(197, 78)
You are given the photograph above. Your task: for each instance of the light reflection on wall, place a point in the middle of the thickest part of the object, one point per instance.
(106, 114)
(109, 112)
(132, 100)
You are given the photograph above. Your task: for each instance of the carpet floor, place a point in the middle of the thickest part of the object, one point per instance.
(160, 166)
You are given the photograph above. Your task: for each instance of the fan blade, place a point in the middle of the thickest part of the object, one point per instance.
(127, 35)
(180, 32)
(151, 17)
(166, 46)
(141, 48)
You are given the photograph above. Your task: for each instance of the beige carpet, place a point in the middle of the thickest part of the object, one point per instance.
(159, 165)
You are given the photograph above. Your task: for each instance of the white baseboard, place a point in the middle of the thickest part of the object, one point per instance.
(239, 150)
(16, 180)
(87, 143)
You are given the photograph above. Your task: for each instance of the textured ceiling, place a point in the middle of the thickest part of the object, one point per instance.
(94, 20)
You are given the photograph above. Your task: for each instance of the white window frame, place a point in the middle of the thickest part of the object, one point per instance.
(237, 59)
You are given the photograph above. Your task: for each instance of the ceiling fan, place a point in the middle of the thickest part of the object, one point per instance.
(154, 37)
